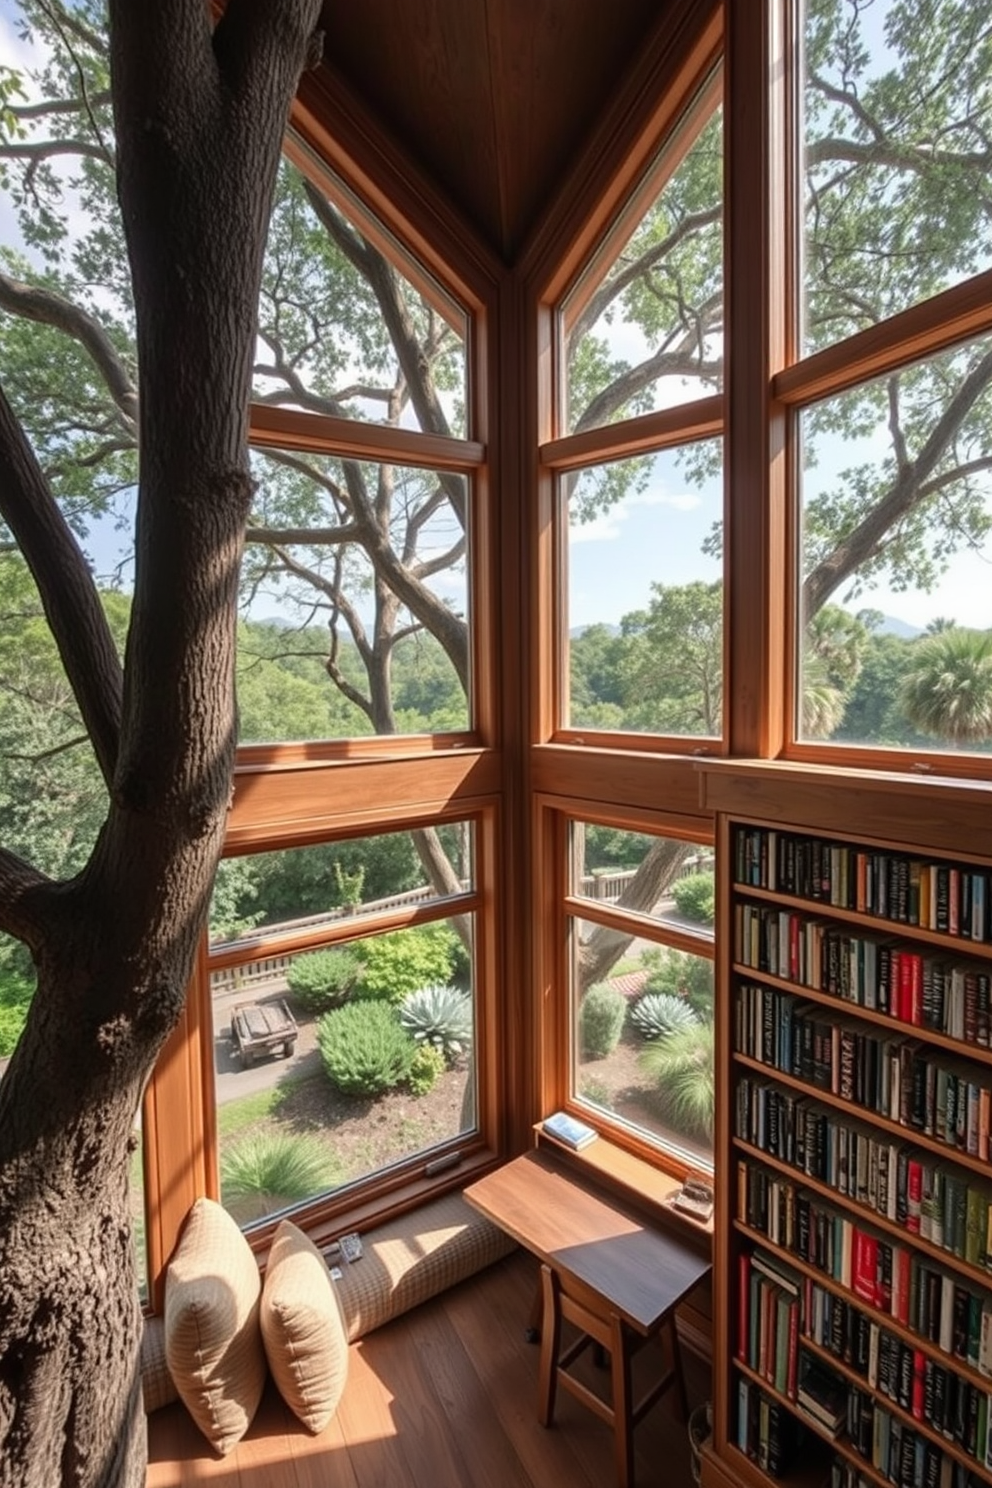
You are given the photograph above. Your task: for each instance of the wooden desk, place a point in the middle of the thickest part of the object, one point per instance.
(603, 1267)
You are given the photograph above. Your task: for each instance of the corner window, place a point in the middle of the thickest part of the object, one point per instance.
(640, 922)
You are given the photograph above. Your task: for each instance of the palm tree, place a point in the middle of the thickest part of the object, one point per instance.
(947, 690)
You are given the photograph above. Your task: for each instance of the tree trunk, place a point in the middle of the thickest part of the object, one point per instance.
(200, 117)
(656, 874)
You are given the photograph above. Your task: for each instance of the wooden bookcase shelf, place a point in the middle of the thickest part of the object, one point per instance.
(853, 1151)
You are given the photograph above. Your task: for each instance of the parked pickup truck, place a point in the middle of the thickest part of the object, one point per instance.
(259, 1028)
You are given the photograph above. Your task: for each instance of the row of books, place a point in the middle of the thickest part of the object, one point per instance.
(900, 1452)
(936, 895)
(769, 1321)
(892, 1075)
(931, 1392)
(948, 1473)
(922, 988)
(767, 1431)
(948, 1206)
(771, 1435)
(777, 1307)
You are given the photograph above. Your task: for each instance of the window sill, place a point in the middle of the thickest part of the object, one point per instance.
(651, 1190)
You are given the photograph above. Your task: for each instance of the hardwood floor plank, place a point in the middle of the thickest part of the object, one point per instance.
(489, 1457)
(431, 1451)
(493, 1334)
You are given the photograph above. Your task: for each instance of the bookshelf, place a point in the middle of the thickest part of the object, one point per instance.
(854, 1140)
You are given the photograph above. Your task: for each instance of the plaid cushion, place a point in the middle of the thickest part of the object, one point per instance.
(157, 1385)
(413, 1258)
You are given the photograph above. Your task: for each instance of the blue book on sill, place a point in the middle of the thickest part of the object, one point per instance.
(565, 1128)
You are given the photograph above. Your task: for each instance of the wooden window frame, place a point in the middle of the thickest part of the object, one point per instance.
(554, 817)
(940, 323)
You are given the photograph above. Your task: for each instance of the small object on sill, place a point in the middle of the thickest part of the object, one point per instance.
(351, 1246)
(336, 1273)
(567, 1129)
(695, 1199)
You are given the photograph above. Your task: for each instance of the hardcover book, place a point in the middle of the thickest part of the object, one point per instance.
(567, 1129)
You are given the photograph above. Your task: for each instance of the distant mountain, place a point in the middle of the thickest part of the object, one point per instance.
(580, 630)
(891, 626)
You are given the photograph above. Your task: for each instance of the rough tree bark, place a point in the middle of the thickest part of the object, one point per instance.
(657, 872)
(200, 115)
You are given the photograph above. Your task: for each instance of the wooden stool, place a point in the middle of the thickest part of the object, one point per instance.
(609, 1331)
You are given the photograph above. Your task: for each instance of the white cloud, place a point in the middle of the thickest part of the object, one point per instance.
(678, 500)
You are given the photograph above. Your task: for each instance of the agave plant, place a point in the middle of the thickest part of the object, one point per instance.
(659, 1013)
(440, 1016)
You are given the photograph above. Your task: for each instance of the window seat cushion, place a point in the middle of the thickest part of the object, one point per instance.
(404, 1262)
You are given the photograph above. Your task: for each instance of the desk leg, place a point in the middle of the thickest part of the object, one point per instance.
(673, 1335)
(623, 1405)
(547, 1379)
(532, 1332)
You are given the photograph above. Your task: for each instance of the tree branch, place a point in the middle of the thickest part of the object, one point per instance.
(20, 889)
(68, 593)
(906, 492)
(45, 307)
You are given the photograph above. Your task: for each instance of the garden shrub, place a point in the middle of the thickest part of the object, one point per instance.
(681, 974)
(601, 1018)
(426, 1068)
(15, 998)
(695, 897)
(321, 980)
(441, 1016)
(661, 1013)
(363, 1048)
(396, 964)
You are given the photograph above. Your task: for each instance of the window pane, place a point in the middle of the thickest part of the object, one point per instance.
(380, 1069)
(643, 329)
(643, 1037)
(645, 594)
(296, 890)
(662, 877)
(340, 555)
(897, 512)
(343, 331)
(898, 104)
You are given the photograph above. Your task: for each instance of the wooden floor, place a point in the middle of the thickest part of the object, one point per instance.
(445, 1397)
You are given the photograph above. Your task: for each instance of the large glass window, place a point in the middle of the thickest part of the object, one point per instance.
(356, 610)
(893, 644)
(897, 516)
(642, 985)
(645, 594)
(340, 1051)
(643, 328)
(898, 110)
(344, 329)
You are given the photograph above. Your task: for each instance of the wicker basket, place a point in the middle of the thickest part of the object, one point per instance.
(700, 1427)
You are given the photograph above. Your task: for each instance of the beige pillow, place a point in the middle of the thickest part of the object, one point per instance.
(212, 1340)
(302, 1329)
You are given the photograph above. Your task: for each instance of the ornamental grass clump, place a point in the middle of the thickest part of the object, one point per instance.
(363, 1048)
(441, 1017)
(274, 1169)
(601, 1018)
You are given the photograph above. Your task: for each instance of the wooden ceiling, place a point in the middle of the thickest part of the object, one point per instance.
(491, 99)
